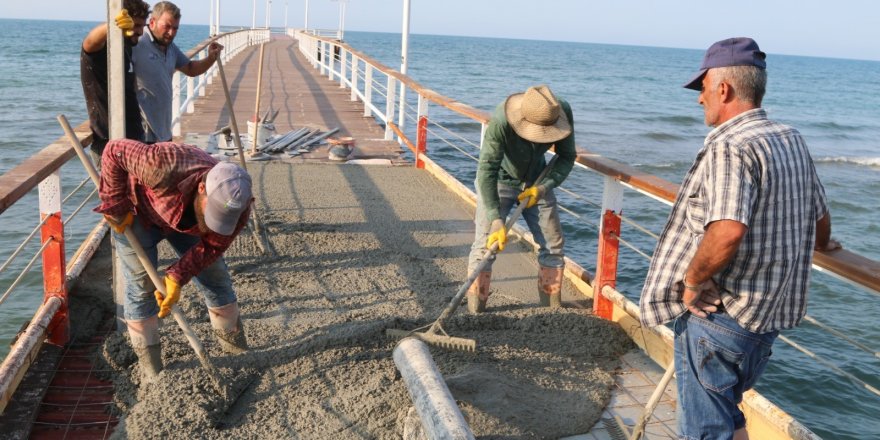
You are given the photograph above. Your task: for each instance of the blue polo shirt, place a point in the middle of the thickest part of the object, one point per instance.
(154, 69)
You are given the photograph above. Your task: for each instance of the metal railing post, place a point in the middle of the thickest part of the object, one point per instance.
(606, 259)
(209, 75)
(175, 104)
(401, 110)
(368, 89)
(342, 71)
(323, 56)
(389, 108)
(331, 57)
(354, 77)
(422, 131)
(190, 92)
(54, 271)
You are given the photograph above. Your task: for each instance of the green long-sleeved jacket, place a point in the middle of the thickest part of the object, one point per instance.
(512, 160)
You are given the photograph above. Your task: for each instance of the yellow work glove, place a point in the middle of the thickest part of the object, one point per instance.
(124, 22)
(120, 225)
(172, 295)
(497, 234)
(535, 192)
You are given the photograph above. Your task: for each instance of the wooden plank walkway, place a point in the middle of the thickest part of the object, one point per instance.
(303, 97)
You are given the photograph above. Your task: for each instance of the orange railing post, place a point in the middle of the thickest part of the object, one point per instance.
(421, 141)
(54, 273)
(609, 246)
(606, 267)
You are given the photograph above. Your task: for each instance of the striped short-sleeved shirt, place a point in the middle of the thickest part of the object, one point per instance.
(759, 173)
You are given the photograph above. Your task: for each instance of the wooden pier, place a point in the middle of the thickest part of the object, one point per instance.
(302, 97)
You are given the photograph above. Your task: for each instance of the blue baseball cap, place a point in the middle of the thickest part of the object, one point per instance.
(740, 51)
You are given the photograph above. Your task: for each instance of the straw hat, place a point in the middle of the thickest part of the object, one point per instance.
(537, 116)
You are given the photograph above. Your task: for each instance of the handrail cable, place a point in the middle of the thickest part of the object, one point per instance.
(632, 247)
(841, 335)
(35, 230)
(26, 269)
(830, 365)
(579, 197)
(477, 146)
(460, 150)
(78, 187)
(80, 207)
(23, 244)
(639, 227)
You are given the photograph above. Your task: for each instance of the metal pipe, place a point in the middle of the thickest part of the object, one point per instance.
(268, 9)
(25, 350)
(84, 253)
(286, 138)
(306, 24)
(440, 416)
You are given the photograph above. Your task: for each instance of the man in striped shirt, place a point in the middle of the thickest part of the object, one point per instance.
(732, 265)
(181, 194)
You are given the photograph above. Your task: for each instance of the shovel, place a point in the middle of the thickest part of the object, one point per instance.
(435, 335)
(229, 393)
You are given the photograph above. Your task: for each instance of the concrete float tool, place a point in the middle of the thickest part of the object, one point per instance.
(229, 390)
(435, 334)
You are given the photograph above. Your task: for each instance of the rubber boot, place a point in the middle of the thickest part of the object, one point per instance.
(550, 287)
(226, 322)
(144, 334)
(478, 293)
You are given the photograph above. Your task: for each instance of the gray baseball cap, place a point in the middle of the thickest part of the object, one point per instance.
(740, 51)
(229, 195)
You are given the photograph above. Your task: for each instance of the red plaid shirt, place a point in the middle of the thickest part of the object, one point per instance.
(158, 182)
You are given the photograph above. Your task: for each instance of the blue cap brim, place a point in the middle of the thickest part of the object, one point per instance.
(697, 82)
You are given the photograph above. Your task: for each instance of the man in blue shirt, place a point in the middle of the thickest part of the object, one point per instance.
(155, 60)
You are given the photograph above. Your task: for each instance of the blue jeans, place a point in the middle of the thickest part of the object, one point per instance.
(140, 301)
(542, 220)
(716, 360)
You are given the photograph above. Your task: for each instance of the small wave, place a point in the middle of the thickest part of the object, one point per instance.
(675, 120)
(831, 125)
(659, 165)
(862, 161)
(662, 136)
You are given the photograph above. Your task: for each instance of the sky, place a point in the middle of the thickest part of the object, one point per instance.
(836, 29)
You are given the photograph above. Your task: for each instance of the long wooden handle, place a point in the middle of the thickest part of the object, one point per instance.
(257, 120)
(236, 138)
(158, 280)
(456, 300)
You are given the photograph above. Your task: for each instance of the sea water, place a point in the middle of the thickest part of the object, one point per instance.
(628, 105)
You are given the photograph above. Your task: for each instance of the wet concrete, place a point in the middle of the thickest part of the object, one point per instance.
(359, 250)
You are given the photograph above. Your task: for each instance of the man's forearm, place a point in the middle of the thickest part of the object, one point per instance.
(823, 231)
(717, 248)
(197, 67)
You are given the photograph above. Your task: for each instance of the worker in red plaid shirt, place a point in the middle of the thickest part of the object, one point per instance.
(178, 193)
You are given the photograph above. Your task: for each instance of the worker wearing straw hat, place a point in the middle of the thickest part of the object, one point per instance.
(521, 131)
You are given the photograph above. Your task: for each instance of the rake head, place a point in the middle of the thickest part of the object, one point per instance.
(442, 341)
